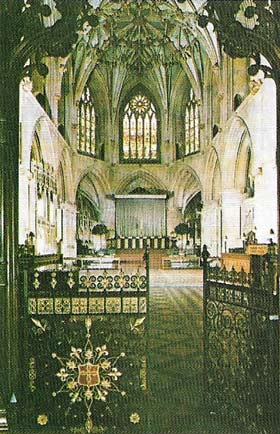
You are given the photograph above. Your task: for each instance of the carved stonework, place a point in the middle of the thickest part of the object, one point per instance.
(255, 86)
(27, 84)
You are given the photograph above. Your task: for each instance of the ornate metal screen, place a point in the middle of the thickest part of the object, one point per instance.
(84, 355)
(241, 339)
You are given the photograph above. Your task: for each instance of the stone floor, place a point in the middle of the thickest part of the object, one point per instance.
(175, 279)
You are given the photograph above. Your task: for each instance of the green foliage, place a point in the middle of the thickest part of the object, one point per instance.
(181, 229)
(32, 30)
(99, 229)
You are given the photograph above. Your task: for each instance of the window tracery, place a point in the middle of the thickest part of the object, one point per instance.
(140, 130)
(192, 133)
(86, 124)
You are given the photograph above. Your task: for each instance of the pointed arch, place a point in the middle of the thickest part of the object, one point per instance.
(140, 179)
(243, 178)
(67, 177)
(213, 180)
(186, 184)
(98, 180)
(238, 140)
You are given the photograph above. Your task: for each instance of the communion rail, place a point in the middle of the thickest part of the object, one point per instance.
(134, 243)
(85, 291)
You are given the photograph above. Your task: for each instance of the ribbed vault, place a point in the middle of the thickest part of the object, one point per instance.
(143, 37)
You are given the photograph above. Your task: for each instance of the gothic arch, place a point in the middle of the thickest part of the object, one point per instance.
(98, 181)
(212, 181)
(244, 162)
(65, 165)
(233, 148)
(140, 178)
(139, 88)
(185, 185)
(44, 136)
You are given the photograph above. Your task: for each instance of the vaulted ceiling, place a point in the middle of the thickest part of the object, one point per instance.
(130, 41)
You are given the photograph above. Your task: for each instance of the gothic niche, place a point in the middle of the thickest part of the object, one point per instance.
(192, 216)
(87, 218)
(43, 196)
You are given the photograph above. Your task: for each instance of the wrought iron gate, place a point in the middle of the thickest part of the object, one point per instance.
(84, 365)
(241, 344)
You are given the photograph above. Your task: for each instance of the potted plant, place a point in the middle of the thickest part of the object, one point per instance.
(182, 229)
(100, 229)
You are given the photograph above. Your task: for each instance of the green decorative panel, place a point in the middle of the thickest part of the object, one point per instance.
(84, 371)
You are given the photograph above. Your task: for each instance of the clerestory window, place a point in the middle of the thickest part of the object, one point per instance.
(86, 124)
(192, 133)
(139, 131)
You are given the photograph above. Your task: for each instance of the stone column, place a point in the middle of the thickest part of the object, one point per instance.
(231, 219)
(174, 215)
(211, 219)
(69, 223)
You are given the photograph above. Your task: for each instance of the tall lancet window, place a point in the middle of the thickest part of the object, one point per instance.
(140, 131)
(192, 134)
(86, 123)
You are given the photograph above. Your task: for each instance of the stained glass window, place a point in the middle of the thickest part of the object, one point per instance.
(192, 134)
(86, 123)
(140, 136)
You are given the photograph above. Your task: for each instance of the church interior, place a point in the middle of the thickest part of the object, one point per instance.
(143, 138)
(145, 155)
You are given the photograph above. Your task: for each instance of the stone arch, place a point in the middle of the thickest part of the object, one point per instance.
(213, 181)
(139, 87)
(36, 151)
(99, 181)
(185, 185)
(244, 162)
(140, 178)
(46, 139)
(189, 199)
(233, 149)
(88, 187)
(40, 132)
(67, 177)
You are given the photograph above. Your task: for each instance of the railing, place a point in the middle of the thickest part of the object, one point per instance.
(71, 316)
(85, 291)
(156, 243)
(241, 335)
(28, 259)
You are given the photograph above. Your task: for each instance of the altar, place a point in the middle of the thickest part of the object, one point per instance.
(180, 262)
(99, 262)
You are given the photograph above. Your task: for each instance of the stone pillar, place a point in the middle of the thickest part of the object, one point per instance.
(211, 219)
(69, 223)
(174, 215)
(108, 213)
(265, 204)
(231, 219)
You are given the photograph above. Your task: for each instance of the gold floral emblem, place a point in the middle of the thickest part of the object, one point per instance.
(88, 374)
(134, 418)
(42, 419)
